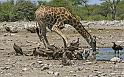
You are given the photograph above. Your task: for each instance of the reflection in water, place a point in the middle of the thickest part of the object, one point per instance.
(107, 54)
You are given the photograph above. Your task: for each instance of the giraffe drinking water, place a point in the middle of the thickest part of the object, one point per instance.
(54, 18)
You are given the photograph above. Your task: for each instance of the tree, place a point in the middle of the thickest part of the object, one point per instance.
(24, 10)
(113, 7)
(6, 11)
(83, 3)
(104, 9)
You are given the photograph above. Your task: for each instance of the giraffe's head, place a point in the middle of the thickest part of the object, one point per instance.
(93, 43)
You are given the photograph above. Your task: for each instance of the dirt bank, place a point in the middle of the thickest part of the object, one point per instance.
(29, 66)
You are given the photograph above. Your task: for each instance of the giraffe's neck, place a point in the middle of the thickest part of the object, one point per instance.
(80, 28)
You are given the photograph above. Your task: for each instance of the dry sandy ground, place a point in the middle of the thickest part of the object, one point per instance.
(30, 66)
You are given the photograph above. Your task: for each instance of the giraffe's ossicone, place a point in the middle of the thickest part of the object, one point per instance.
(54, 18)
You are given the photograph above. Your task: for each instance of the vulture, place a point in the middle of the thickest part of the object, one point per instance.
(74, 45)
(31, 29)
(116, 48)
(17, 49)
(8, 29)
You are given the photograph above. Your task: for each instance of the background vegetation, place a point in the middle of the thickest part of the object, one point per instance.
(23, 10)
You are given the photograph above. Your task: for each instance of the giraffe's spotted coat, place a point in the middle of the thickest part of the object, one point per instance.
(55, 18)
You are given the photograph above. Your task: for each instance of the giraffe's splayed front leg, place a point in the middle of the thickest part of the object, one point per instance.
(40, 36)
(58, 31)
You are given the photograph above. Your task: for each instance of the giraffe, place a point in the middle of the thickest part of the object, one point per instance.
(54, 18)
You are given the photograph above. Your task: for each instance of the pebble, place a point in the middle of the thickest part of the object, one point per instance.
(44, 68)
(5, 34)
(1, 72)
(104, 74)
(74, 74)
(38, 44)
(37, 65)
(1, 48)
(50, 72)
(61, 66)
(24, 69)
(88, 63)
(8, 74)
(5, 68)
(87, 60)
(99, 72)
(40, 62)
(56, 73)
(27, 41)
(50, 65)
(71, 71)
(87, 68)
(90, 31)
(115, 59)
(28, 44)
(96, 70)
(90, 76)
(80, 68)
(112, 73)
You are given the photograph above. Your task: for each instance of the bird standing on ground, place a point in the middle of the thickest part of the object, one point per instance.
(116, 48)
(8, 29)
(31, 29)
(17, 49)
(74, 45)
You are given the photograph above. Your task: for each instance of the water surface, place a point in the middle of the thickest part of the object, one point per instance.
(107, 54)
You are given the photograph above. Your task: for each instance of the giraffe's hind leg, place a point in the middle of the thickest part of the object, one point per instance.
(42, 34)
(58, 31)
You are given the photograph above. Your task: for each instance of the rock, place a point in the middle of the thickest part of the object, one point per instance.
(44, 68)
(5, 34)
(56, 73)
(5, 68)
(50, 72)
(1, 72)
(87, 68)
(95, 69)
(90, 76)
(38, 44)
(88, 63)
(71, 71)
(61, 66)
(104, 74)
(112, 73)
(36, 65)
(98, 72)
(40, 62)
(31, 29)
(1, 48)
(27, 41)
(50, 65)
(87, 60)
(74, 74)
(12, 34)
(116, 59)
(9, 74)
(80, 68)
(24, 69)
